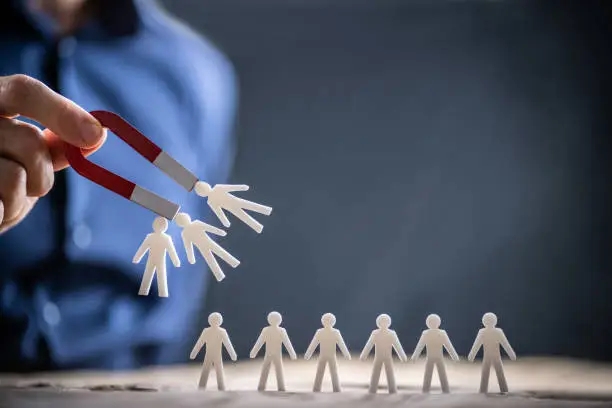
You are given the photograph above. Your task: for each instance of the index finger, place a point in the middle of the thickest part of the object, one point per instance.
(58, 154)
(28, 97)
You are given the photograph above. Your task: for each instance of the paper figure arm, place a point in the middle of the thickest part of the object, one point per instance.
(198, 346)
(476, 346)
(398, 348)
(172, 252)
(209, 228)
(312, 347)
(228, 188)
(144, 247)
(258, 344)
(288, 345)
(419, 347)
(367, 348)
(449, 347)
(342, 345)
(228, 345)
(506, 345)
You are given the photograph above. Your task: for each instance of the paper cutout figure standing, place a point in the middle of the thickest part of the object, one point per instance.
(384, 342)
(490, 338)
(214, 337)
(157, 243)
(273, 337)
(327, 338)
(435, 340)
(195, 233)
(219, 199)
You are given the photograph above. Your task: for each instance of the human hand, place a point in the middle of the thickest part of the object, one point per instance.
(29, 156)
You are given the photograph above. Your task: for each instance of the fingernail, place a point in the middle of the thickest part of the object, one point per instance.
(91, 132)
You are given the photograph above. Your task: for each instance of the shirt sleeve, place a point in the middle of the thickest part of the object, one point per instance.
(213, 97)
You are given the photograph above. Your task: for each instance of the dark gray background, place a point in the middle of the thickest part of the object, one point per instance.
(422, 156)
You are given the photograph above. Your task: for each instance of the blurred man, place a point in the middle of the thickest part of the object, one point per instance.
(68, 291)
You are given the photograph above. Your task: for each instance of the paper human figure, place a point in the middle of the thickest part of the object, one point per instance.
(327, 338)
(490, 338)
(220, 199)
(273, 337)
(157, 243)
(195, 233)
(215, 338)
(435, 341)
(384, 341)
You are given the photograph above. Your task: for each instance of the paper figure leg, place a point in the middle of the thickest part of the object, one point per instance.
(375, 376)
(443, 377)
(265, 371)
(319, 376)
(252, 206)
(204, 375)
(248, 220)
(220, 375)
(429, 366)
(390, 373)
(147, 279)
(280, 374)
(162, 282)
(484, 379)
(501, 377)
(223, 254)
(333, 372)
(213, 265)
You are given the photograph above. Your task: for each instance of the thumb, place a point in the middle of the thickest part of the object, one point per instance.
(58, 154)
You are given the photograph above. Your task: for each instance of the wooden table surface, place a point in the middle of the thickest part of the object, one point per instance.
(534, 382)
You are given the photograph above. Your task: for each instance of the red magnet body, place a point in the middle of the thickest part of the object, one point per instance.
(125, 188)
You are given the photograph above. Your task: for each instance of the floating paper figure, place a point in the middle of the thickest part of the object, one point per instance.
(220, 199)
(195, 233)
(158, 243)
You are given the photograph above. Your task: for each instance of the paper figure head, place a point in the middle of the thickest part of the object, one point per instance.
(160, 224)
(433, 321)
(489, 320)
(328, 320)
(383, 321)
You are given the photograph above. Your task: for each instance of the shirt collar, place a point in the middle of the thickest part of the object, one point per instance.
(114, 18)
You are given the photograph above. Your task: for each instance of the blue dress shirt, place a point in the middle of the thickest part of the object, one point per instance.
(68, 289)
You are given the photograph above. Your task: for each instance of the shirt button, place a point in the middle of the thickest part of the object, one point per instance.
(81, 236)
(51, 314)
(67, 47)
